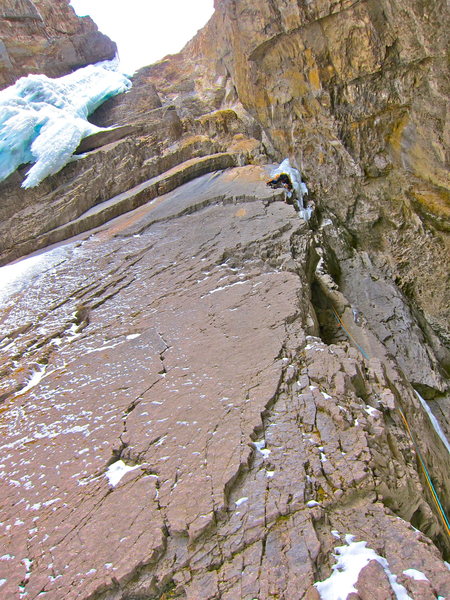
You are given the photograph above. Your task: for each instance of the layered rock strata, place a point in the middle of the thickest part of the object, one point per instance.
(205, 396)
(356, 92)
(147, 138)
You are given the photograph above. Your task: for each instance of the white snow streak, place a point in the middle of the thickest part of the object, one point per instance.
(351, 559)
(415, 574)
(434, 422)
(241, 501)
(117, 470)
(35, 378)
(261, 447)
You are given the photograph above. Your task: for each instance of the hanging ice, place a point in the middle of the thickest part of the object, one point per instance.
(43, 120)
(299, 187)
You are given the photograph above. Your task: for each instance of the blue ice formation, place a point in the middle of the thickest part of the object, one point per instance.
(299, 187)
(43, 120)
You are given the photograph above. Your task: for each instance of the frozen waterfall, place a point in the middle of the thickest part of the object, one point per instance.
(43, 120)
(300, 189)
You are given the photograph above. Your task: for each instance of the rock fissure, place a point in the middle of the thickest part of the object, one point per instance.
(262, 425)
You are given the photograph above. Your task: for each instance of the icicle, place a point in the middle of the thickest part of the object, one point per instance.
(299, 190)
(43, 120)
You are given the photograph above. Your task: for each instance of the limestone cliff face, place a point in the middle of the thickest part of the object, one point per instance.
(356, 93)
(41, 36)
(202, 394)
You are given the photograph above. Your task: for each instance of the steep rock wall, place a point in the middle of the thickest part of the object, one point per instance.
(181, 342)
(41, 36)
(356, 93)
(249, 374)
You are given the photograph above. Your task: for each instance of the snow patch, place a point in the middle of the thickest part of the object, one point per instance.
(117, 470)
(18, 275)
(351, 559)
(415, 574)
(224, 287)
(241, 501)
(104, 347)
(261, 447)
(50, 502)
(28, 564)
(35, 378)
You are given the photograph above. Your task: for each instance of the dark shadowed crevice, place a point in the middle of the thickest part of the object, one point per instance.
(330, 330)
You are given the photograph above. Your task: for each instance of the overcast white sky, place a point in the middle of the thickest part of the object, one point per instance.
(146, 30)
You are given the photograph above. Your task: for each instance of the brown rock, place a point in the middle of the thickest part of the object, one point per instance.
(102, 138)
(42, 36)
(343, 89)
(373, 583)
(201, 398)
(312, 594)
(418, 588)
(175, 352)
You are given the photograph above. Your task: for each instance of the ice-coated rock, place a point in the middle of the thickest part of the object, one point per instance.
(43, 120)
(300, 190)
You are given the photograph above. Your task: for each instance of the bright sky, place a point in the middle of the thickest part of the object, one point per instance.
(146, 30)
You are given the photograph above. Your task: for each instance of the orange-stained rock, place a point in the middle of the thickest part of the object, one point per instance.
(203, 396)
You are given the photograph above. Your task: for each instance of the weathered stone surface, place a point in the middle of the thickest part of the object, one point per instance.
(182, 350)
(356, 94)
(373, 583)
(251, 373)
(117, 205)
(150, 139)
(134, 106)
(29, 215)
(42, 36)
(102, 138)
